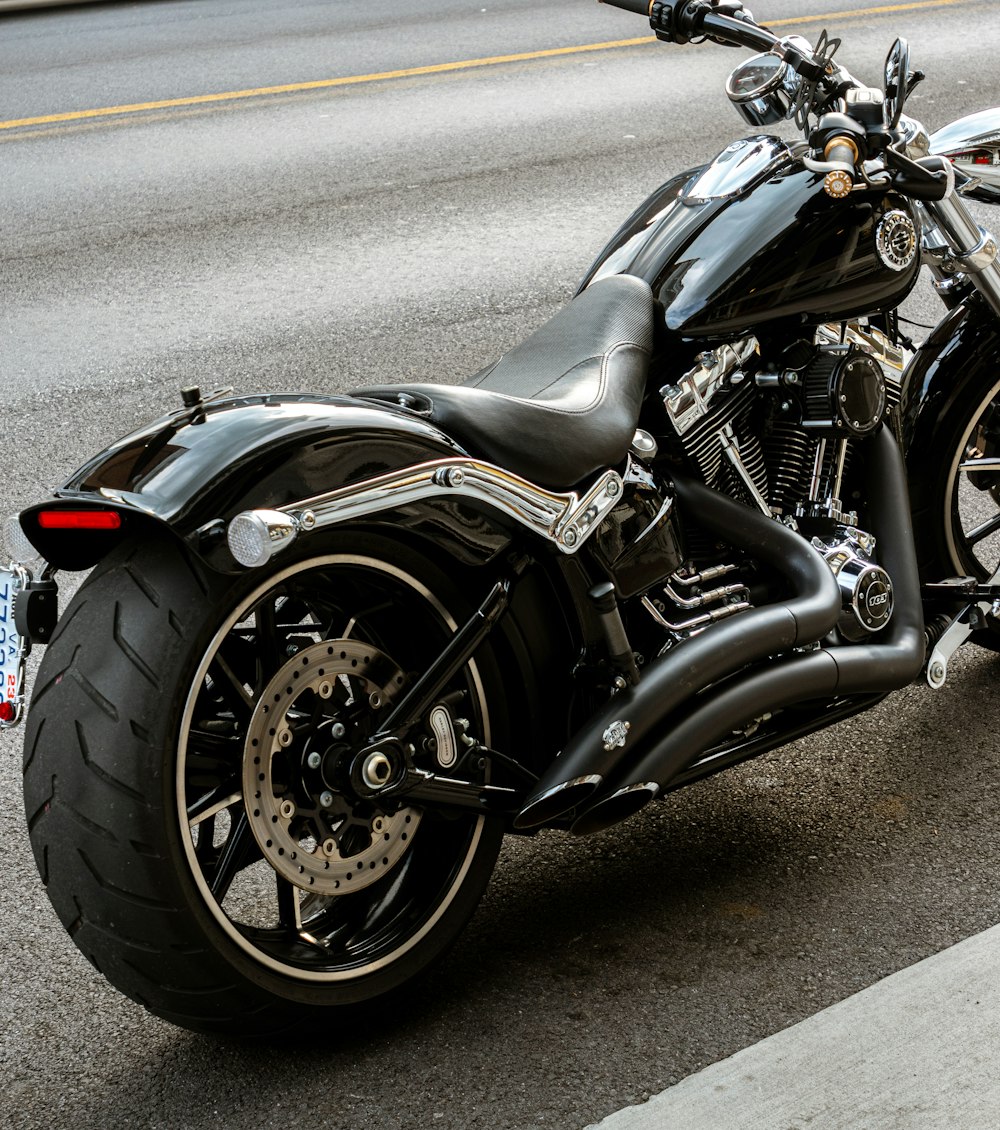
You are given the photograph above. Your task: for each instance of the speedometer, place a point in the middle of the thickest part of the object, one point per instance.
(762, 89)
(755, 77)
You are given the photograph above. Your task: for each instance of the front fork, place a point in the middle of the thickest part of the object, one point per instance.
(958, 251)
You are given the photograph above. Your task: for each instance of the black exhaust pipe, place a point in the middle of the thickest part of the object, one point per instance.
(892, 662)
(596, 751)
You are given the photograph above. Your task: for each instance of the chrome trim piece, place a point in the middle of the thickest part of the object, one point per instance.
(688, 401)
(737, 167)
(896, 240)
(255, 536)
(731, 450)
(872, 341)
(974, 251)
(564, 520)
(696, 623)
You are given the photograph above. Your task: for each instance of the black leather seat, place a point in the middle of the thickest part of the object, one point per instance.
(562, 404)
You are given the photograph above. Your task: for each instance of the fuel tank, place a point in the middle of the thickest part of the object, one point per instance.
(751, 239)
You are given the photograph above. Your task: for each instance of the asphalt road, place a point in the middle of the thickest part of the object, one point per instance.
(418, 226)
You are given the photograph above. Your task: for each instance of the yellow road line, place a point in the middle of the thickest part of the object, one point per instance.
(853, 13)
(436, 69)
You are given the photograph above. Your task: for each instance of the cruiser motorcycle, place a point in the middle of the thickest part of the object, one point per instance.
(332, 648)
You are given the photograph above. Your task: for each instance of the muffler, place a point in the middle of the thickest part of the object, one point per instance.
(892, 662)
(594, 753)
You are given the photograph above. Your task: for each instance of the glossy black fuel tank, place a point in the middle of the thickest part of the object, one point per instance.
(752, 239)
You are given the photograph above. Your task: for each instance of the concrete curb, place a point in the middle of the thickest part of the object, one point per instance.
(916, 1050)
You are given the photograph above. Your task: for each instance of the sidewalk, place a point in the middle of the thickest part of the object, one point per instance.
(920, 1049)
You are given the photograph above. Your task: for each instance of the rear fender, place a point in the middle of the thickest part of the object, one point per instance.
(190, 473)
(194, 470)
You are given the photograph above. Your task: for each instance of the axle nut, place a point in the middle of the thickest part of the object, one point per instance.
(376, 770)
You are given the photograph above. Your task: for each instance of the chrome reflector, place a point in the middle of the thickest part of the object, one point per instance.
(16, 546)
(255, 536)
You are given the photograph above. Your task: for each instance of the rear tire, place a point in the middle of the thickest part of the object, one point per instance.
(150, 825)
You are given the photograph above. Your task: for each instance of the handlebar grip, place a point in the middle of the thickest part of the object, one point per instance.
(844, 152)
(641, 7)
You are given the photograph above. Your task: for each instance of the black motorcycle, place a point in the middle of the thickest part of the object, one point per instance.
(331, 649)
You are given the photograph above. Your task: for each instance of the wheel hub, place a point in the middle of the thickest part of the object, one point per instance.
(308, 824)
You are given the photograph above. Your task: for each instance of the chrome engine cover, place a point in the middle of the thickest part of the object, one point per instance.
(865, 586)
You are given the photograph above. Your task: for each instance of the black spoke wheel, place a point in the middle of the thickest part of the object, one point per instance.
(188, 785)
(956, 494)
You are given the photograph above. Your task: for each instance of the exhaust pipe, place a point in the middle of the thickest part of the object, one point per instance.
(594, 753)
(859, 669)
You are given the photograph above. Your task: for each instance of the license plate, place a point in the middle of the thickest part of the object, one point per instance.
(13, 647)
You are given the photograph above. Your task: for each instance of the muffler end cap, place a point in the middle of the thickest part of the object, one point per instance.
(554, 802)
(614, 808)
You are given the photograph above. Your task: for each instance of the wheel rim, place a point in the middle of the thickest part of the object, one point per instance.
(972, 498)
(310, 650)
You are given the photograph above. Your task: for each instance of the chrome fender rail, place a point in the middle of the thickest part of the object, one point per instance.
(564, 520)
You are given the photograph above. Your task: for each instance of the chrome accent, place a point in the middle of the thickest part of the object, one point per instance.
(255, 536)
(866, 588)
(737, 167)
(565, 520)
(704, 576)
(916, 142)
(616, 735)
(972, 250)
(872, 341)
(643, 445)
(896, 240)
(824, 486)
(705, 598)
(696, 623)
(731, 450)
(376, 770)
(736, 598)
(688, 401)
(771, 99)
(970, 262)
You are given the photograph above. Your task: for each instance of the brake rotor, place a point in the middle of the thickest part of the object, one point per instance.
(316, 710)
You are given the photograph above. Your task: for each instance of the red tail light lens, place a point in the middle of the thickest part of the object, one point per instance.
(79, 520)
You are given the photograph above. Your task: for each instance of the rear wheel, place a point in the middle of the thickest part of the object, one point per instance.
(188, 790)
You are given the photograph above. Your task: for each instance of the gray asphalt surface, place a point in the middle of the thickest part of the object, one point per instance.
(419, 227)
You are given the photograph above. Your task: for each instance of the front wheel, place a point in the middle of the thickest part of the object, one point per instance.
(956, 501)
(188, 791)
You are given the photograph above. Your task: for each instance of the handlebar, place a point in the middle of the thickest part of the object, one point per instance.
(725, 21)
(641, 7)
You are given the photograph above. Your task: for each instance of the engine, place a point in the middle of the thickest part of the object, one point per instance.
(780, 435)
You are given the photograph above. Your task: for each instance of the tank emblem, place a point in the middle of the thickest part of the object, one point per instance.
(616, 735)
(896, 240)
